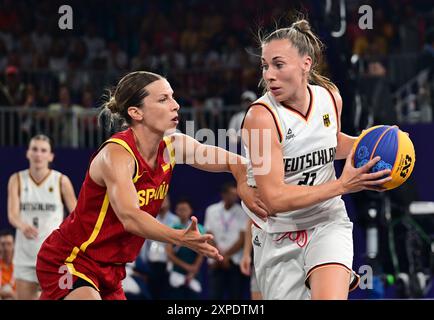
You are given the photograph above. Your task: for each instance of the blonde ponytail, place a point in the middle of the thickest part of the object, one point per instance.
(302, 37)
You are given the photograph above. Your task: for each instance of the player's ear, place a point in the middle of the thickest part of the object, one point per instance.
(135, 113)
(307, 64)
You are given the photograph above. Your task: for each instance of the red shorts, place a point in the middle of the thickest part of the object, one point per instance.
(56, 277)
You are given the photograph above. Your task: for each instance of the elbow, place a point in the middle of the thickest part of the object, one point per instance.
(129, 224)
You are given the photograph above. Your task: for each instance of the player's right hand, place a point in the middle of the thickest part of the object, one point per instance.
(30, 232)
(358, 179)
(251, 199)
(191, 238)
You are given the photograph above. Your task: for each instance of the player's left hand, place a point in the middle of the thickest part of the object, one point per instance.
(250, 197)
(191, 238)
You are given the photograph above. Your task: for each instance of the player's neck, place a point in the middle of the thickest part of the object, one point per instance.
(39, 174)
(299, 101)
(147, 143)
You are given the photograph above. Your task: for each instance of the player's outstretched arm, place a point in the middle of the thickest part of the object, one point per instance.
(215, 159)
(113, 168)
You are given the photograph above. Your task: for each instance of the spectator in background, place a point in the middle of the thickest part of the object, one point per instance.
(7, 281)
(58, 61)
(190, 36)
(88, 122)
(87, 99)
(78, 56)
(236, 120)
(12, 92)
(185, 263)
(94, 43)
(226, 220)
(117, 59)
(145, 59)
(409, 30)
(27, 50)
(62, 112)
(25, 118)
(157, 257)
(40, 37)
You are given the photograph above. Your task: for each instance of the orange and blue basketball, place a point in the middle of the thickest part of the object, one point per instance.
(393, 146)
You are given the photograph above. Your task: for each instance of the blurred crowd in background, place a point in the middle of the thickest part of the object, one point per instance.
(208, 51)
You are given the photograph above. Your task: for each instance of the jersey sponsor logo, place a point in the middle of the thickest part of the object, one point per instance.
(312, 159)
(37, 206)
(152, 194)
(326, 120)
(256, 241)
(289, 134)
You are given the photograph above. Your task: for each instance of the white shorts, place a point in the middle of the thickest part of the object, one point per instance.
(284, 261)
(26, 273)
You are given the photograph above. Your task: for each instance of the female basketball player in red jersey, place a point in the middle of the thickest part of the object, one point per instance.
(123, 190)
(306, 242)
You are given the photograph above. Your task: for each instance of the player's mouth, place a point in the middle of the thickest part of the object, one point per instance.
(275, 90)
(175, 119)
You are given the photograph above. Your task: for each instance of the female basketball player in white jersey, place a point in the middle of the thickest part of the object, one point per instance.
(306, 241)
(35, 209)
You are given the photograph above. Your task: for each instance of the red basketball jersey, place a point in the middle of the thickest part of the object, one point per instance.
(94, 230)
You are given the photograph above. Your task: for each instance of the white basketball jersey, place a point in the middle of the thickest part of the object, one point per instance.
(40, 206)
(309, 148)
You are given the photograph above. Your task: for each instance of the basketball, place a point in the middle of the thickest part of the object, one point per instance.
(393, 146)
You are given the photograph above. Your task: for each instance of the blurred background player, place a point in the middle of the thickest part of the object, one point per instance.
(246, 264)
(35, 208)
(7, 281)
(184, 277)
(226, 221)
